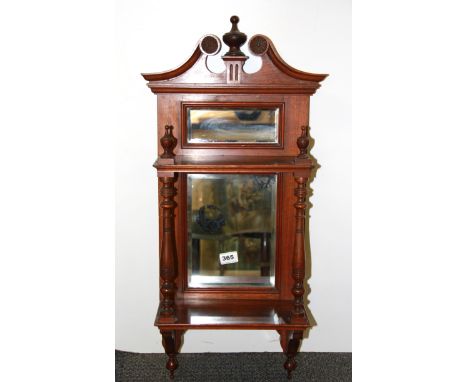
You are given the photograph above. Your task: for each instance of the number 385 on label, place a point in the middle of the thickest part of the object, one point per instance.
(228, 258)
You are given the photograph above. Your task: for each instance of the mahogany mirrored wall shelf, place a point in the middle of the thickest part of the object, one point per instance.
(234, 170)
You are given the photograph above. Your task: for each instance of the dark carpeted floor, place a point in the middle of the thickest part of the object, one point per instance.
(232, 367)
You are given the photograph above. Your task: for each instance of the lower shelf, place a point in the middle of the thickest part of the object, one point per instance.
(234, 314)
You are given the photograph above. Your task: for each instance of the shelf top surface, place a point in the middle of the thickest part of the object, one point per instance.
(240, 163)
(235, 314)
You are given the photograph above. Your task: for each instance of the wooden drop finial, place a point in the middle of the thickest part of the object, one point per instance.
(303, 143)
(168, 142)
(234, 39)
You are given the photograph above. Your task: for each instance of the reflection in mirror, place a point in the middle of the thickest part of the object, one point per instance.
(232, 125)
(231, 230)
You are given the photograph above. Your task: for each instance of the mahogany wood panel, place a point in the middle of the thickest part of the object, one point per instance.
(296, 115)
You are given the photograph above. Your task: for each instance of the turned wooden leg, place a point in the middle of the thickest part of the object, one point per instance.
(290, 342)
(172, 340)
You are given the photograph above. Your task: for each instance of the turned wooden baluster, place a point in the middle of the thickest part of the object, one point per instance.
(168, 259)
(300, 192)
(299, 249)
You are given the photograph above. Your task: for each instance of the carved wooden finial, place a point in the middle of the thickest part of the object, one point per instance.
(234, 39)
(168, 142)
(303, 143)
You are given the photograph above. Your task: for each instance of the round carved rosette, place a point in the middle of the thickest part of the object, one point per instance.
(258, 45)
(210, 44)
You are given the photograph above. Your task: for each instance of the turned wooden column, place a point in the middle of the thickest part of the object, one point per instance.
(299, 248)
(300, 192)
(168, 258)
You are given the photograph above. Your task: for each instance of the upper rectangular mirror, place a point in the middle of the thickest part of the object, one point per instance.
(232, 124)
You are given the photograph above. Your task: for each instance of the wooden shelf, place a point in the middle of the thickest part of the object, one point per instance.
(235, 314)
(234, 163)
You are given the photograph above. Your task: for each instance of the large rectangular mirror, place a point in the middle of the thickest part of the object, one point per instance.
(231, 230)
